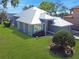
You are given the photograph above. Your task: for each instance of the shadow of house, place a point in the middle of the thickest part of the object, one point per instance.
(59, 52)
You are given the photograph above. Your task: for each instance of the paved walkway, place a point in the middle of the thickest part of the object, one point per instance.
(77, 37)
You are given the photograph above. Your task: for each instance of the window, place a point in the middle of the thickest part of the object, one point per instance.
(21, 26)
(37, 28)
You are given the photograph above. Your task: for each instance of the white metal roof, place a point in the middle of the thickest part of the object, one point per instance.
(31, 16)
(61, 22)
(34, 14)
(46, 16)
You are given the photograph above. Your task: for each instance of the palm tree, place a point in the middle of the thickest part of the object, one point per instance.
(3, 3)
(13, 2)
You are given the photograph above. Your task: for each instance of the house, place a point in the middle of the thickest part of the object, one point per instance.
(12, 18)
(74, 18)
(34, 20)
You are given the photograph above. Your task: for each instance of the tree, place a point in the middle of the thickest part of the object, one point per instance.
(13, 2)
(71, 10)
(59, 7)
(27, 7)
(63, 37)
(7, 23)
(47, 6)
(58, 4)
(63, 41)
(3, 16)
(63, 11)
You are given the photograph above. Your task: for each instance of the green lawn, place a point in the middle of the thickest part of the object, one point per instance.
(16, 45)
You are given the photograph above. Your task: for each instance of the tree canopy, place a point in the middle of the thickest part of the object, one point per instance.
(13, 2)
(64, 38)
(47, 6)
(27, 7)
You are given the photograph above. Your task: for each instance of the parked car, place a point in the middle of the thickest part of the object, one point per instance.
(39, 34)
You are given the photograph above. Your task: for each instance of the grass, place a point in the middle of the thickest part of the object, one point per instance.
(16, 45)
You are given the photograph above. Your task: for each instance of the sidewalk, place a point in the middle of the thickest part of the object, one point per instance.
(77, 37)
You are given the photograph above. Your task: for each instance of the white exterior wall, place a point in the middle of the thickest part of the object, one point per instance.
(68, 28)
(30, 29)
(18, 27)
(24, 27)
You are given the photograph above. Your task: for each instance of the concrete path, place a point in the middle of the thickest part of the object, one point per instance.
(77, 37)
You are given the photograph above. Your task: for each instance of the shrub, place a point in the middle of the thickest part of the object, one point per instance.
(63, 43)
(7, 23)
(64, 38)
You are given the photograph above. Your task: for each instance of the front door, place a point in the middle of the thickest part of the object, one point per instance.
(49, 25)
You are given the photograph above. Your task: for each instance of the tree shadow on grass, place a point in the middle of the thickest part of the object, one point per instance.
(20, 34)
(59, 53)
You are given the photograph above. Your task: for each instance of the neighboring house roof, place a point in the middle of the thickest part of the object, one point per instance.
(69, 17)
(61, 22)
(76, 7)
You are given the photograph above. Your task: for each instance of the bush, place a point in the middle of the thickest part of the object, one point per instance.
(7, 23)
(63, 43)
(64, 38)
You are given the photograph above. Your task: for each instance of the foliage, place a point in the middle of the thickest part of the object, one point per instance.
(6, 23)
(58, 4)
(59, 7)
(27, 7)
(47, 6)
(71, 10)
(63, 44)
(13, 2)
(64, 38)
(3, 15)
